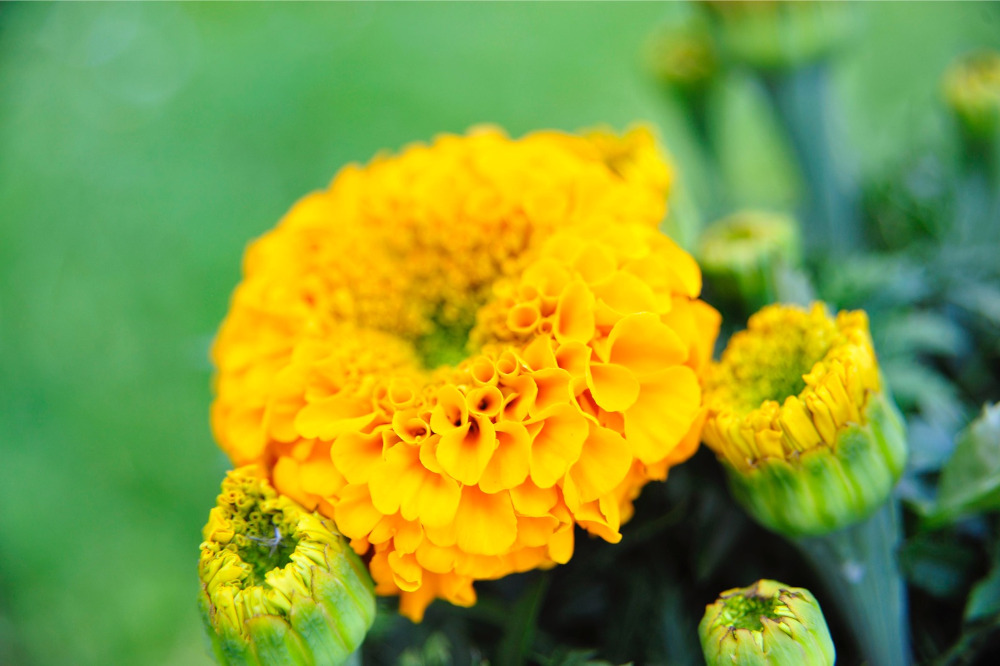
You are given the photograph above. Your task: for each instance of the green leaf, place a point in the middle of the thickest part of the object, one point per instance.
(939, 566)
(984, 600)
(970, 480)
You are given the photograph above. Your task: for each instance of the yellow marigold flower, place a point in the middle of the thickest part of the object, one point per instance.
(766, 623)
(461, 352)
(799, 415)
(279, 584)
(972, 89)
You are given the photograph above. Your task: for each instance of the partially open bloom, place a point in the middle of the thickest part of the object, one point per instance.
(279, 584)
(800, 417)
(744, 253)
(972, 89)
(461, 352)
(766, 624)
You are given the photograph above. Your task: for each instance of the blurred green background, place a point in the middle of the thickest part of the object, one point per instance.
(142, 147)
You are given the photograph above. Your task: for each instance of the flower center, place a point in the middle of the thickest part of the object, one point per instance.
(265, 551)
(745, 610)
(447, 343)
(770, 359)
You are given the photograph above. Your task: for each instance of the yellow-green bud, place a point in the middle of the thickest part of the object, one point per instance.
(746, 254)
(683, 54)
(279, 585)
(771, 34)
(972, 89)
(766, 623)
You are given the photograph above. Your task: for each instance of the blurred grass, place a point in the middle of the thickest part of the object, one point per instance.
(142, 146)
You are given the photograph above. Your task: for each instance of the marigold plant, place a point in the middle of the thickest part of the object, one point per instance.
(461, 352)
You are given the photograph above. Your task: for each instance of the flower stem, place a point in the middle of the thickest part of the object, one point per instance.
(858, 565)
(803, 100)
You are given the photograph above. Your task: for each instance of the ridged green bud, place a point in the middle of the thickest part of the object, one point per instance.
(745, 255)
(766, 623)
(279, 585)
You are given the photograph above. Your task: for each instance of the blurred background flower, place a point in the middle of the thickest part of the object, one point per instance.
(141, 146)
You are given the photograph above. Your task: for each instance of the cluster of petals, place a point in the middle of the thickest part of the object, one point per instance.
(792, 382)
(582, 343)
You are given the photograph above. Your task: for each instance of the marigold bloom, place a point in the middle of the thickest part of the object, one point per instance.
(279, 585)
(462, 351)
(799, 415)
(766, 623)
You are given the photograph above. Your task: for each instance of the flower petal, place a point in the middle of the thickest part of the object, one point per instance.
(487, 523)
(604, 462)
(644, 344)
(668, 403)
(511, 461)
(613, 386)
(558, 440)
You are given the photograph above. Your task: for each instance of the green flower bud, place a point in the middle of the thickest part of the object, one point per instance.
(746, 255)
(972, 90)
(768, 34)
(279, 585)
(683, 55)
(766, 623)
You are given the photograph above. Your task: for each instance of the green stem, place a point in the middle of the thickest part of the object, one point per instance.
(804, 101)
(858, 565)
(978, 196)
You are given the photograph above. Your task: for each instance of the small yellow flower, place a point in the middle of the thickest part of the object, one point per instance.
(461, 352)
(766, 624)
(279, 584)
(799, 415)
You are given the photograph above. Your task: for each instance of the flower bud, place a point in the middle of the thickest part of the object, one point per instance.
(799, 416)
(771, 35)
(683, 55)
(766, 623)
(745, 254)
(279, 584)
(972, 90)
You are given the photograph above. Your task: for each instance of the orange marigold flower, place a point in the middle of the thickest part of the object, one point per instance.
(462, 351)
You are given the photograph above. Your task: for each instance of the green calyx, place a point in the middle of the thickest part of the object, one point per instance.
(826, 489)
(766, 623)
